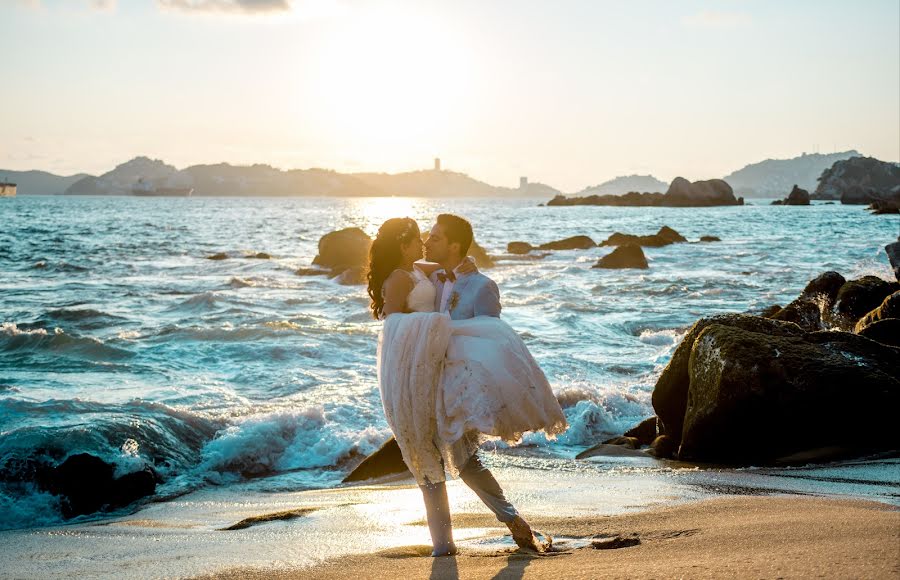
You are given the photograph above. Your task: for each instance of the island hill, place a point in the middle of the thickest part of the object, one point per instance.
(772, 178)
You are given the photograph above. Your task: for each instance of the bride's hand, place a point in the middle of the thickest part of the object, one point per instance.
(467, 266)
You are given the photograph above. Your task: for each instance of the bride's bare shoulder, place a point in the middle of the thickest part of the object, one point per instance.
(399, 280)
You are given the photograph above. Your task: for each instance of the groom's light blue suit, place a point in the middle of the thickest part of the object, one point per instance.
(477, 295)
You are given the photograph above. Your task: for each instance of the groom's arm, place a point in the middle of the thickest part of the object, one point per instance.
(487, 301)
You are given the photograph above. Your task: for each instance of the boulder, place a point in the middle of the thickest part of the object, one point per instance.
(482, 259)
(710, 239)
(797, 196)
(644, 432)
(610, 450)
(664, 447)
(518, 247)
(757, 396)
(663, 237)
(885, 331)
(670, 393)
(681, 193)
(352, 276)
(856, 298)
(573, 243)
(885, 207)
(893, 254)
(260, 256)
(218, 256)
(86, 485)
(387, 460)
(311, 272)
(343, 249)
(814, 302)
(890, 308)
(626, 256)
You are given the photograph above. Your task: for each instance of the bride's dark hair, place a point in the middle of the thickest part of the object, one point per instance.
(385, 256)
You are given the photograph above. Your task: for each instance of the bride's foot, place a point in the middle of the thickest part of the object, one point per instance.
(444, 551)
(524, 536)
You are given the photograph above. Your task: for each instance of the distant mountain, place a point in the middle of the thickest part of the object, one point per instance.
(626, 184)
(223, 179)
(776, 177)
(430, 183)
(121, 180)
(39, 182)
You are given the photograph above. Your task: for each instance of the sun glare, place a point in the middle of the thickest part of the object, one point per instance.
(390, 85)
(377, 210)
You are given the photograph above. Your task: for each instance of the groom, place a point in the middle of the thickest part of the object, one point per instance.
(465, 296)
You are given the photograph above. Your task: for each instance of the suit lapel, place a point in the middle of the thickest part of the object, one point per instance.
(459, 287)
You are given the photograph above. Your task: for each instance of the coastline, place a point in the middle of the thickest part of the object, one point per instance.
(729, 522)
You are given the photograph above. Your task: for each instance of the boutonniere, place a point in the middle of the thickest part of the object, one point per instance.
(454, 300)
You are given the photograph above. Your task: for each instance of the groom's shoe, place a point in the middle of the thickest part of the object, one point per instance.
(524, 536)
(437, 511)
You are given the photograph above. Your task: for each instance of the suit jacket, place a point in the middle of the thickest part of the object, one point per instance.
(476, 295)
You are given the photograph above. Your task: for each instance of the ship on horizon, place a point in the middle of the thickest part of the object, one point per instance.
(146, 189)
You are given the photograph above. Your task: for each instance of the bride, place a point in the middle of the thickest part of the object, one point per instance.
(447, 385)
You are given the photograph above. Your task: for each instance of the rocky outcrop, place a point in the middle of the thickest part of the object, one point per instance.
(893, 254)
(816, 301)
(885, 207)
(746, 390)
(86, 484)
(663, 237)
(774, 176)
(885, 331)
(889, 308)
(387, 460)
(681, 193)
(859, 180)
(797, 196)
(710, 239)
(625, 256)
(572, 243)
(856, 298)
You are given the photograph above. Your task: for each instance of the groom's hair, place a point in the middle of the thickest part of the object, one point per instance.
(457, 230)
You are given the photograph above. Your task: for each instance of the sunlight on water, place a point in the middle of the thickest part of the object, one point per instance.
(219, 370)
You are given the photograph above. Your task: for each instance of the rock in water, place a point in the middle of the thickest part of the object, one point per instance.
(626, 256)
(386, 461)
(519, 247)
(710, 239)
(573, 243)
(663, 237)
(343, 249)
(893, 253)
(86, 485)
(755, 396)
(797, 196)
(482, 259)
(645, 431)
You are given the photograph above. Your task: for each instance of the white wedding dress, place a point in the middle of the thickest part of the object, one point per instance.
(447, 385)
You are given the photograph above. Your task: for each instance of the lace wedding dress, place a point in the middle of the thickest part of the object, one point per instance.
(448, 384)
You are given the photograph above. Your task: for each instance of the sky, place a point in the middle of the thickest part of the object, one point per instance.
(569, 93)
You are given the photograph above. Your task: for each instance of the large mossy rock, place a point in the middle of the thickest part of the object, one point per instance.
(670, 394)
(663, 237)
(755, 396)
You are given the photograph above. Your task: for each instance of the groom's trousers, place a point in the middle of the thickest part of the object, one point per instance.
(482, 482)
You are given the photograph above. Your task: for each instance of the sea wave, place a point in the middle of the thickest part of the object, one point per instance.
(22, 340)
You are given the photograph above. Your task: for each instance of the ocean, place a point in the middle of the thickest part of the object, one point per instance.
(120, 338)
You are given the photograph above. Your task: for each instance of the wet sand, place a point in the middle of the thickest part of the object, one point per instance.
(690, 522)
(762, 537)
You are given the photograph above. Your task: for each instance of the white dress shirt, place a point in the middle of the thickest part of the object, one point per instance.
(448, 290)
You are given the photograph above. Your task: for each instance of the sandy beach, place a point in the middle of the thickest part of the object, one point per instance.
(683, 521)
